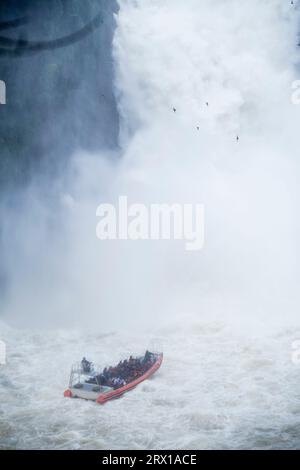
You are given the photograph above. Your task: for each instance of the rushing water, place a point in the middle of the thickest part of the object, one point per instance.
(215, 389)
(227, 316)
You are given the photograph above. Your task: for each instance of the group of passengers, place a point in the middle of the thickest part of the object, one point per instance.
(126, 371)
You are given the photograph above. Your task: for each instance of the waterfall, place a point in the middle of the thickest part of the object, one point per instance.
(204, 116)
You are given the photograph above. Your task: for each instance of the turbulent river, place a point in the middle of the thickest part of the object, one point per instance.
(215, 389)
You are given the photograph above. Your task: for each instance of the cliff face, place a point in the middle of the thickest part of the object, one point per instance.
(58, 100)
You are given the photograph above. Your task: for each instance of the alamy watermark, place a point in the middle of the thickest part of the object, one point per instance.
(2, 92)
(2, 353)
(153, 222)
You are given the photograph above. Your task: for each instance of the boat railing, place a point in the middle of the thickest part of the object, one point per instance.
(78, 371)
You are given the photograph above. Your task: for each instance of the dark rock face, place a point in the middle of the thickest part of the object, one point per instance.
(60, 100)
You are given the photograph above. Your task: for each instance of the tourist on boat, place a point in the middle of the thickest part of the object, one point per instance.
(100, 379)
(147, 356)
(86, 365)
(118, 382)
(126, 371)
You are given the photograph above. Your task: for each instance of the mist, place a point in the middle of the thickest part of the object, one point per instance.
(228, 72)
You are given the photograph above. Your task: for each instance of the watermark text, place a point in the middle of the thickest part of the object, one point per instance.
(153, 222)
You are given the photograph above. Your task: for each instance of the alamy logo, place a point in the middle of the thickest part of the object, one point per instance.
(153, 222)
(2, 92)
(2, 353)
